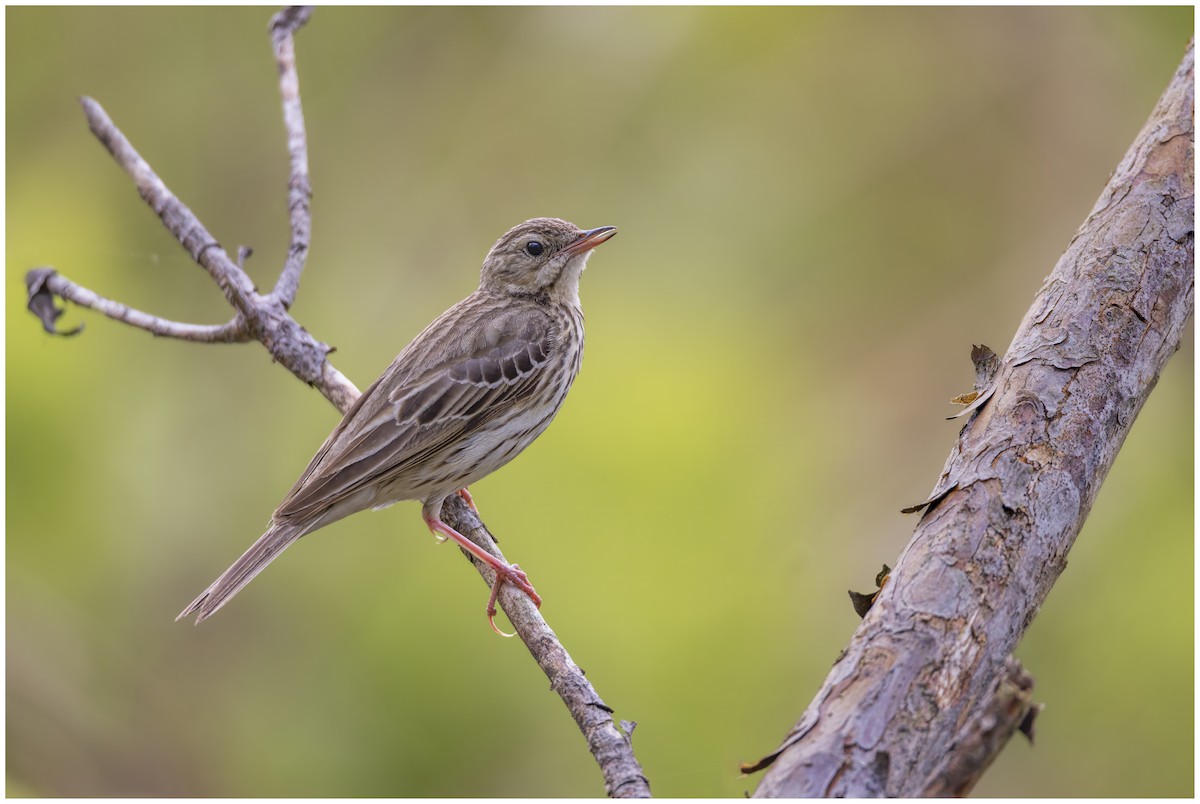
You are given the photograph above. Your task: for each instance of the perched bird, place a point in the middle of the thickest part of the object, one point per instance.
(463, 399)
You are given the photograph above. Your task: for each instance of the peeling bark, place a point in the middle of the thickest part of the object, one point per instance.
(1016, 489)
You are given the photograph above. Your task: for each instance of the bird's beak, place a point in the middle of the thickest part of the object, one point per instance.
(589, 240)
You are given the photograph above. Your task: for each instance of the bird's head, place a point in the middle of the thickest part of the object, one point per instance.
(541, 256)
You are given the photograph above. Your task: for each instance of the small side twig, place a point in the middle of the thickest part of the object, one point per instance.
(283, 26)
(46, 283)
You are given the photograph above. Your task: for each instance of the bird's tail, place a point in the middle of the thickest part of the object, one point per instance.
(252, 562)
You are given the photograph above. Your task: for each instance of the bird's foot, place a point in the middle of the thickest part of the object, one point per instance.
(512, 573)
(466, 495)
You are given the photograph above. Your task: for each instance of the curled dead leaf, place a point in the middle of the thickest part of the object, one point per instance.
(41, 301)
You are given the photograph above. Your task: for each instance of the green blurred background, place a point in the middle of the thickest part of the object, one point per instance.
(820, 211)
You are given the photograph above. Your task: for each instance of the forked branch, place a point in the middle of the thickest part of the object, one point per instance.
(265, 318)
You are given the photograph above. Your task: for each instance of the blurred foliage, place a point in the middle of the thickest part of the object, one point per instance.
(820, 211)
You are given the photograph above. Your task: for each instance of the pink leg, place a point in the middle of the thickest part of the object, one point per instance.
(504, 572)
(466, 495)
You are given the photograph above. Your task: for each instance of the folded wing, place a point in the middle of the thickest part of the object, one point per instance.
(434, 395)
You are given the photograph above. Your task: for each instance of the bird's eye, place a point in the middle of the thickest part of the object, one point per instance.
(535, 248)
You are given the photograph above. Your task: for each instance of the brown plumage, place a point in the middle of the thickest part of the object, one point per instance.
(463, 399)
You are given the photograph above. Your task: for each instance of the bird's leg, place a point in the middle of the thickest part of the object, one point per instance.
(504, 572)
(466, 495)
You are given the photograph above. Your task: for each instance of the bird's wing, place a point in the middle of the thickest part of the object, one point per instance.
(460, 373)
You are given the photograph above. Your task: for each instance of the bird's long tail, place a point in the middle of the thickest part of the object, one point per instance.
(252, 562)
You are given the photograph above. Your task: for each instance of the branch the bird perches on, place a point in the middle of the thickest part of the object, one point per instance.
(265, 318)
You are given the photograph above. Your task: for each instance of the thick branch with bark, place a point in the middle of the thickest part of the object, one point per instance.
(265, 318)
(927, 668)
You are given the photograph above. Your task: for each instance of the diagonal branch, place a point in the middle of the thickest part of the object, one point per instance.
(623, 776)
(266, 319)
(175, 215)
(1017, 487)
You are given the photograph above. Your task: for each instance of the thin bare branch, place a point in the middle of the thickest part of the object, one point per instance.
(42, 281)
(623, 776)
(283, 27)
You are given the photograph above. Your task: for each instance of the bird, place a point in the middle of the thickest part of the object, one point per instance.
(464, 398)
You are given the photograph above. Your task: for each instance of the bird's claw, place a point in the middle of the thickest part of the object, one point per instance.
(517, 577)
